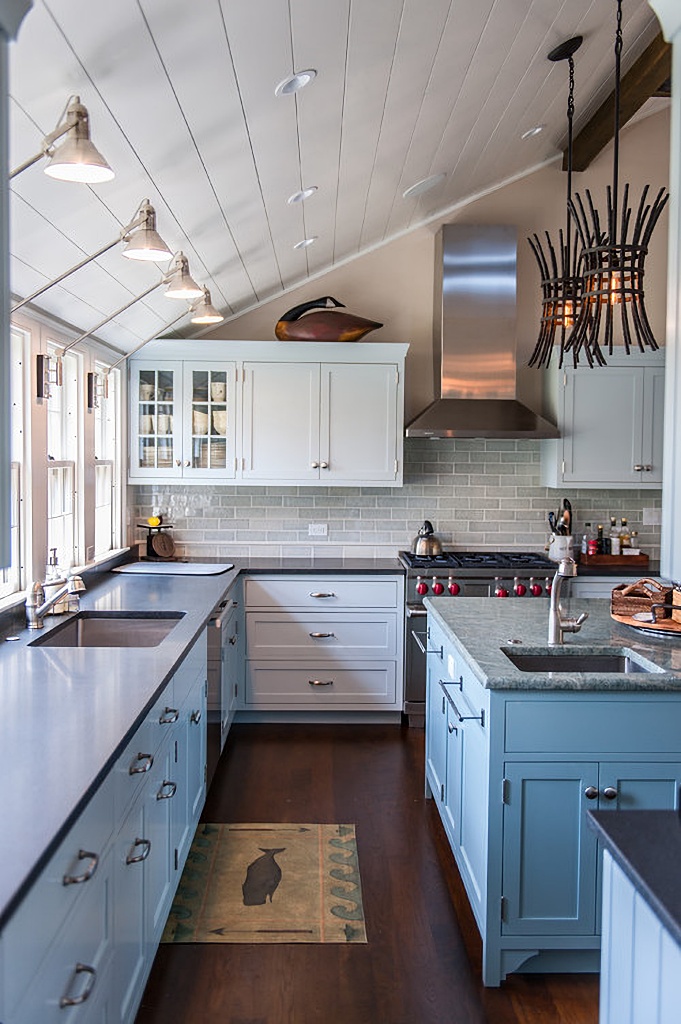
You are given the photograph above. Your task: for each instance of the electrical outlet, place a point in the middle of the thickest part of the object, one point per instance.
(652, 516)
(317, 529)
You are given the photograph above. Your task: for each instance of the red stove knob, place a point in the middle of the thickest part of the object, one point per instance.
(535, 588)
(519, 588)
(547, 586)
(437, 588)
(499, 589)
(421, 587)
(453, 588)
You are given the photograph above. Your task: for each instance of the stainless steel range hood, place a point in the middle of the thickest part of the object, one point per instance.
(474, 339)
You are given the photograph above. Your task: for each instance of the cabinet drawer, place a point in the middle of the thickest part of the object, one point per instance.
(87, 941)
(318, 686)
(136, 761)
(193, 666)
(33, 933)
(295, 636)
(322, 593)
(594, 728)
(31, 930)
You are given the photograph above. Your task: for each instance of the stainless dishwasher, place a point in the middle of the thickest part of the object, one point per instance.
(223, 661)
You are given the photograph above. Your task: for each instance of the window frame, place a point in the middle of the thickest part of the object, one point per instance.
(38, 332)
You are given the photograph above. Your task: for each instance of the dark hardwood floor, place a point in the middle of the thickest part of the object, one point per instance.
(421, 964)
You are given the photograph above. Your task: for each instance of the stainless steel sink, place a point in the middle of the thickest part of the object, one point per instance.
(578, 661)
(111, 629)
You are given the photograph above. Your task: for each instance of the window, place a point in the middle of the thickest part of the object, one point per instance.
(66, 465)
(62, 461)
(107, 507)
(11, 578)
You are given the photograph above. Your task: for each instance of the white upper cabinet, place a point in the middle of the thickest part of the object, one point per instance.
(182, 420)
(611, 421)
(268, 413)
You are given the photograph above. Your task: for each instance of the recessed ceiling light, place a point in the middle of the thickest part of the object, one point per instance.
(303, 244)
(422, 186)
(304, 193)
(531, 132)
(295, 82)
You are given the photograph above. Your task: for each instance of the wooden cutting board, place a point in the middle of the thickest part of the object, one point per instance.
(661, 626)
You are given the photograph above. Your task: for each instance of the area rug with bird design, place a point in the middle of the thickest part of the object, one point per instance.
(269, 883)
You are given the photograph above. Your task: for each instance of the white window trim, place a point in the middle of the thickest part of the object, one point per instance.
(41, 330)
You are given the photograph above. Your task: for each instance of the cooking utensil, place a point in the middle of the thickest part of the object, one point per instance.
(567, 516)
(426, 544)
(552, 522)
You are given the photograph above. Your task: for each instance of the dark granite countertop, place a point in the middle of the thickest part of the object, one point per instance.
(367, 566)
(647, 846)
(52, 698)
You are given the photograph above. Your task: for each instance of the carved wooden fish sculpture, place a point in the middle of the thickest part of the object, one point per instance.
(262, 877)
(318, 320)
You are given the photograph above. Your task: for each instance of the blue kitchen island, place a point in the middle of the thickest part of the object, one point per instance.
(519, 748)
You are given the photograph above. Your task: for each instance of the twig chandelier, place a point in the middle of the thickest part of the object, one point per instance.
(609, 285)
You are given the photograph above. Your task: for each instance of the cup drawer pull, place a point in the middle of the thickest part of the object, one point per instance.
(321, 636)
(320, 682)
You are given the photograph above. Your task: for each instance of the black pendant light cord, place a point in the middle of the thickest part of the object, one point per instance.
(570, 118)
(616, 145)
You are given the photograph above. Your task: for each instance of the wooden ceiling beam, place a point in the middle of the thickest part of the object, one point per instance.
(645, 78)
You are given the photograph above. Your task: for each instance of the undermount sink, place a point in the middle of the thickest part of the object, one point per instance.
(111, 629)
(578, 661)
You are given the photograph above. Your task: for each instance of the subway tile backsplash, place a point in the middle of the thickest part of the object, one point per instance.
(482, 494)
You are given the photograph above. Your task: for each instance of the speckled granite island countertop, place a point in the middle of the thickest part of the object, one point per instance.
(647, 846)
(482, 627)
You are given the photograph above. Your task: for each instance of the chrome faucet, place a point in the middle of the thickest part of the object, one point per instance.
(567, 568)
(37, 606)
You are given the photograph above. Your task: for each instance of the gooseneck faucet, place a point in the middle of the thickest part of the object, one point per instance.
(567, 568)
(37, 606)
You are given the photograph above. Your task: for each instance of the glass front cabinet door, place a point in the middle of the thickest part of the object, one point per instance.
(182, 420)
(209, 421)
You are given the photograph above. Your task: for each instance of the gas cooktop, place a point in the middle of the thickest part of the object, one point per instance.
(477, 562)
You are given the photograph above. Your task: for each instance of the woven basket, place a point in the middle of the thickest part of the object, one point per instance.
(676, 603)
(640, 597)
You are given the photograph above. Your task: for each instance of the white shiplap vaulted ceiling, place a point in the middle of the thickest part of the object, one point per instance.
(181, 102)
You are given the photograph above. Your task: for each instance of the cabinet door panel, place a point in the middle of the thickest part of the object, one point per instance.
(653, 425)
(640, 787)
(128, 912)
(358, 422)
(436, 735)
(209, 421)
(281, 421)
(474, 802)
(603, 448)
(155, 419)
(549, 875)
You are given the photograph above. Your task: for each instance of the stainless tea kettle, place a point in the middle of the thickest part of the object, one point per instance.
(426, 544)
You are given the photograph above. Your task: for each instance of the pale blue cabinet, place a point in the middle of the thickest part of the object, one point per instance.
(80, 946)
(521, 769)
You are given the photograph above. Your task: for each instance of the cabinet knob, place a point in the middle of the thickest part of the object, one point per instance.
(187, 462)
(315, 465)
(178, 462)
(638, 468)
(323, 465)
(591, 792)
(610, 793)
